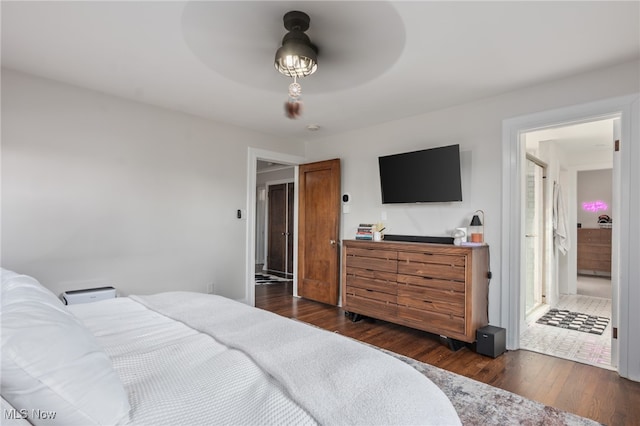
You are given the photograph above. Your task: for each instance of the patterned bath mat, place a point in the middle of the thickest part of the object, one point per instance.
(574, 321)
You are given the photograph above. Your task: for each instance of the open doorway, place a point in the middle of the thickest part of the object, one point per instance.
(256, 227)
(625, 248)
(275, 230)
(625, 272)
(322, 175)
(562, 257)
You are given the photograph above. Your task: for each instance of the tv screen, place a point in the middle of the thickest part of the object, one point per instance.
(426, 176)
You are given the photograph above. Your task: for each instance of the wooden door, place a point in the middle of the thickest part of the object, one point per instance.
(318, 230)
(290, 229)
(277, 228)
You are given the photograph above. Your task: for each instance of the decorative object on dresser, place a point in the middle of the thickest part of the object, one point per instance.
(370, 231)
(476, 227)
(459, 236)
(438, 288)
(594, 251)
(365, 231)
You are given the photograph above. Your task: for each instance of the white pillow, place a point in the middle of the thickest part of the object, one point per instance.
(52, 363)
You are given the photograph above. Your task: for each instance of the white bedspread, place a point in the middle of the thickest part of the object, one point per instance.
(259, 368)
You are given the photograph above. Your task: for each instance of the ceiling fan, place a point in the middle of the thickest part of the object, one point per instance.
(352, 50)
(297, 58)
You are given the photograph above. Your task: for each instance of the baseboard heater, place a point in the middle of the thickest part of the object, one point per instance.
(74, 297)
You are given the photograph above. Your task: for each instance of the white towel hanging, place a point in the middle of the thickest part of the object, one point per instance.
(560, 230)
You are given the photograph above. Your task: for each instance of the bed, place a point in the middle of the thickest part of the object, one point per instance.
(189, 358)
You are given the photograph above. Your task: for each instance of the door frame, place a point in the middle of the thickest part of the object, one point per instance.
(253, 155)
(511, 250)
(545, 246)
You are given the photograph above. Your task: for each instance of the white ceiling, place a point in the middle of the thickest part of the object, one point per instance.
(583, 145)
(592, 136)
(378, 61)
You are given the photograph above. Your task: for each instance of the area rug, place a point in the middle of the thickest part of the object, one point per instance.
(480, 404)
(262, 279)
(574, 321)
(586, 348)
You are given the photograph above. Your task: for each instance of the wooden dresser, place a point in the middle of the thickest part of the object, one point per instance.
(594, 251)
(438, 288)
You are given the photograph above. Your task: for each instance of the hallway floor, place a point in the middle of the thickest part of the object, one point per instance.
(573, 345)
(594, 286)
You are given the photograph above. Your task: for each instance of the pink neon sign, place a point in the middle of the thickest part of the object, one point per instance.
(595, 206)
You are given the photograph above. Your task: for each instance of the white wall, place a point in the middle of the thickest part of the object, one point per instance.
(98, 190)
(629, 255)
(281, 174)
(477, 127)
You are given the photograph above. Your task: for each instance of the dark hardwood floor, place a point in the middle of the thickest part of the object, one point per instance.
(588, 391)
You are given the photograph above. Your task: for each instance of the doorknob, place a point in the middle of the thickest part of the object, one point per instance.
(332, 242)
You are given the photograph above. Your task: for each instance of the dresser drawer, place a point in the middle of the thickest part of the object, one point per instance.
(384, 282)
(432, 270)
(372, 294)
(371, 273)
(373, 260)
(588, 232)
(433, 258)
(377, 254)
(434, 283)
(426, 299)
(370, 307)
(434, 322)
(597, 250)
(605, 236)
(439, 266)
(594, 265)
(594, 235)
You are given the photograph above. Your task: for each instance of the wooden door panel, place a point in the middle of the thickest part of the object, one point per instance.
(290, 228)
(277, 228)
(318, 230)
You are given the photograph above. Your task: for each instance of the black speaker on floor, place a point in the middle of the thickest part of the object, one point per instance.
(491, 341)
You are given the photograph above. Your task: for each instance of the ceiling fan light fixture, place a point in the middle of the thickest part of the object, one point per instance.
(296, 62)
(297, 57)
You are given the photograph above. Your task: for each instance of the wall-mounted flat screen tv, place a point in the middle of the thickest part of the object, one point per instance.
(426, 176)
